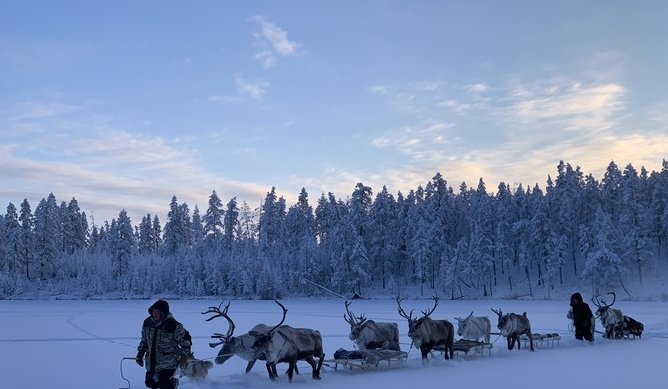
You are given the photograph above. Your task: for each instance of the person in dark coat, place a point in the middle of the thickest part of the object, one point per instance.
(583, 319)
(164, 346)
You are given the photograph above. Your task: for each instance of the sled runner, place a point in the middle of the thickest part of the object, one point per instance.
(365, 359)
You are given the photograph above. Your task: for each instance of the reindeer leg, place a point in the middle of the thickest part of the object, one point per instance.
(250, 365)
(425, 352)
(530, 340)
(272, 374)
(291, 369)
(510, 339)
(311, 362)
(320, 360)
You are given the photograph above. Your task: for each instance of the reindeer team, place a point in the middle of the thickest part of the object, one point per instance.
(284, 344)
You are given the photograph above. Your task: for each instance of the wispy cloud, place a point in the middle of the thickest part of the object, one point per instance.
(272, 42)
(574, 105)
(517, 132)
(255, 89)
(480, 87)
(107, 169)
(29, 110)
(415, 142)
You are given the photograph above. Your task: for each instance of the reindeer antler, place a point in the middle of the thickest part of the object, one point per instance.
(499, 312)
(402, 313)
(219, 313)
(426, 313)
(285, 311)
(614, 297)
(350, 319)
(603, 303)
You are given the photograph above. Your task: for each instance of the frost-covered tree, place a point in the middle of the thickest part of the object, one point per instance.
(75, 228)
(300, 241)
(271, 222)
(384, 237)
(48, 237)
(231, 223)
(213, 219)
(438, 212)
(122, 244)
(145, 243)
(603, 265)
(197, 228)
(27, 250)
(634, 222)
(11, 241)
(177, 235)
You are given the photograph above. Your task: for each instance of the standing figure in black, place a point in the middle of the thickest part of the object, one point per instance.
(583, 319)
(164, 346)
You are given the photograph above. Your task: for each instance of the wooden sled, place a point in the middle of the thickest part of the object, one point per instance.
(542, 340)
(465, 346)
(371, 359)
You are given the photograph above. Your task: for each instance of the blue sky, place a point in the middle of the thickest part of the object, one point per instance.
(123, 104)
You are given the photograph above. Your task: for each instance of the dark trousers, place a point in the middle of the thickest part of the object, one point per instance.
(165, 380)
(585, 333)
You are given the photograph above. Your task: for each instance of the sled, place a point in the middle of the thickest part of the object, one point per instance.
(630, 329)
(465, 346)
(362, 360)
(542, 340)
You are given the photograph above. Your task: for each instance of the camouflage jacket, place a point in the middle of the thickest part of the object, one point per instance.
(164, 343)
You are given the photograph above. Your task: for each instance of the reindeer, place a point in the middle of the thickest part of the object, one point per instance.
(242, 345)
(426, 333)
(369, 335)
(612, 319)
(474, 327)
(289, 344)
(512, 326)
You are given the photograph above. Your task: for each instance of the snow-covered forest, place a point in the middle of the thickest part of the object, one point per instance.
(460, 241)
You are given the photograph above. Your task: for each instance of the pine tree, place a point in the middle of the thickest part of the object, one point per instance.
(122, 244)
(231, 223)
(48, 236)
(11, 241)
(384, 239)
(603, 265)
(213, 219)
(176, 231)
(27, 251)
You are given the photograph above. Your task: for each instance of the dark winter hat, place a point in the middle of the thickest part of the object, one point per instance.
(575, 296)
(160, 305)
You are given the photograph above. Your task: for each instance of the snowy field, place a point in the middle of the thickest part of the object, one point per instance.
(79, 344)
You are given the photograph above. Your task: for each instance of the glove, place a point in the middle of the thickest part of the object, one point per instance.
(140, 358)
(183, 361)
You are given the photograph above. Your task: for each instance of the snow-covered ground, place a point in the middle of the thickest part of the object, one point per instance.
(79, 344)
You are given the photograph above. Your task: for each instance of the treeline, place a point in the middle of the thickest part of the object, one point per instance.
(461, 242)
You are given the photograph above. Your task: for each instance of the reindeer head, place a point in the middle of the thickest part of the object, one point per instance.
(602, 305)
(413, 323)
(463, 323)
(228, 341)
(357, 323)
(263, 339)
(502, 319)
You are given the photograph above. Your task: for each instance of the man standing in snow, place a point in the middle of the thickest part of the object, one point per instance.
(164, 346)
(583, 319)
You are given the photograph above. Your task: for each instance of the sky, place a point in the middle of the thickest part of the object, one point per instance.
(125, 104)
(84, 341)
